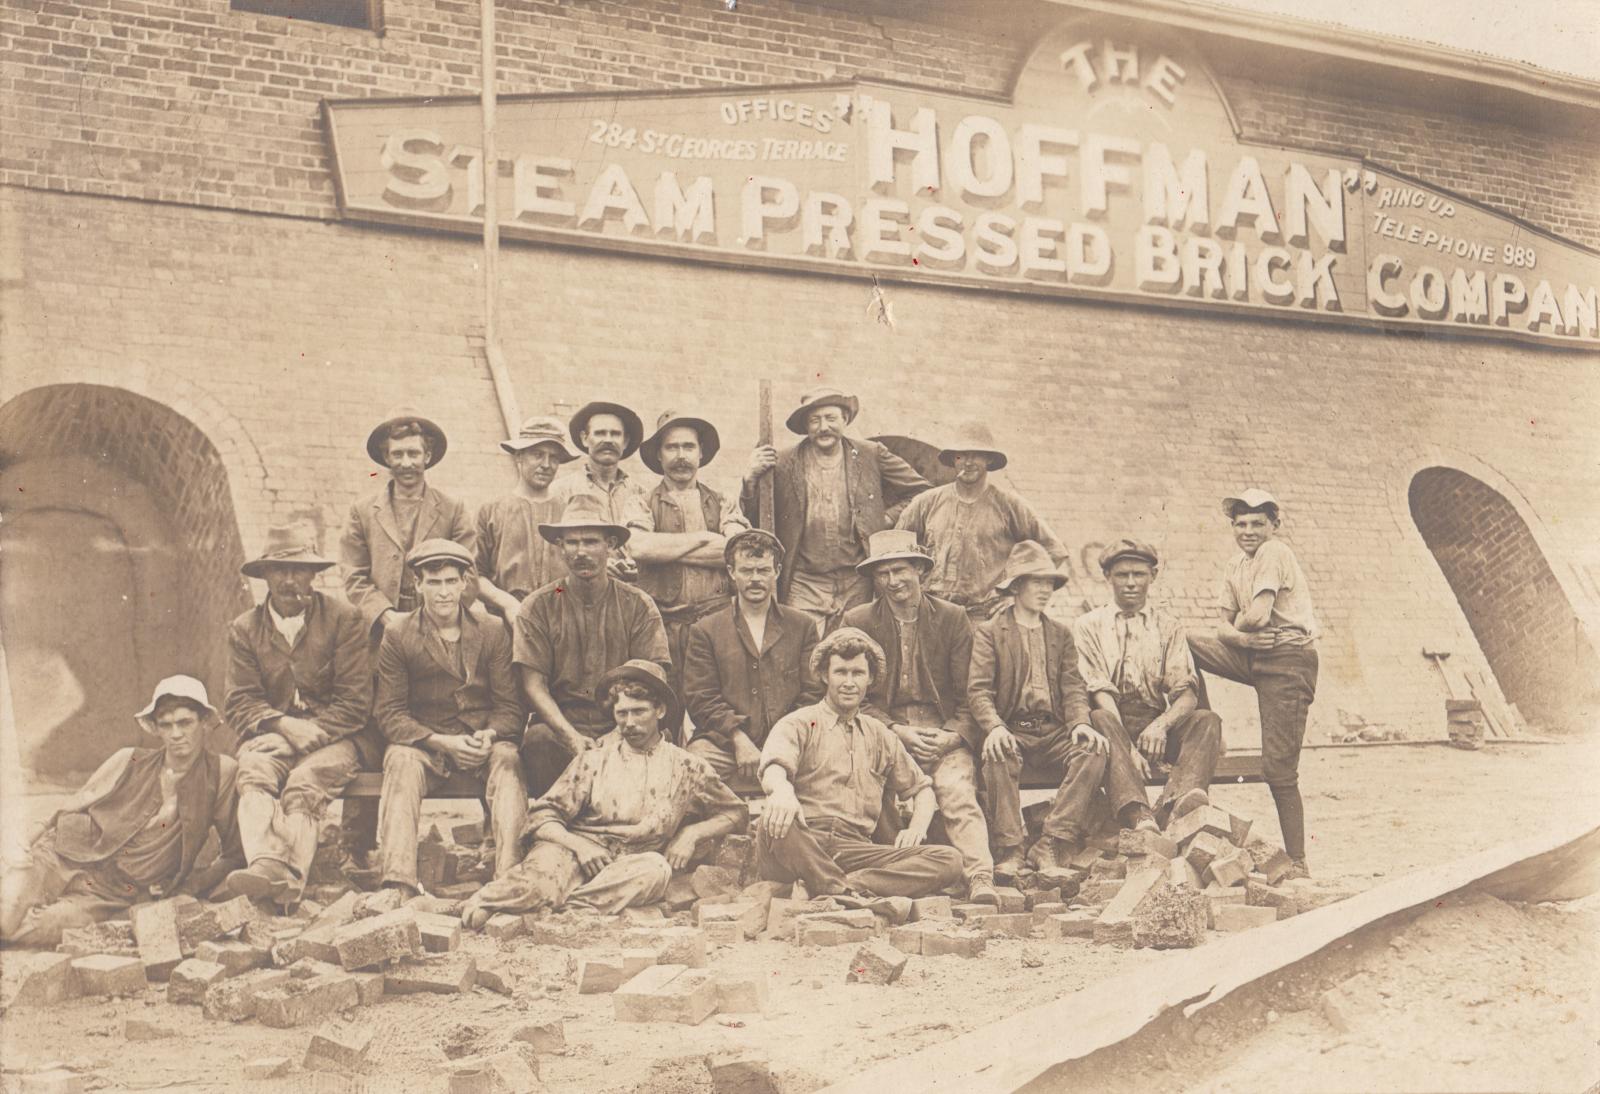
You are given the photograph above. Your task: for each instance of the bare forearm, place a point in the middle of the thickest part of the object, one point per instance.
(544, 704)
(922, 807)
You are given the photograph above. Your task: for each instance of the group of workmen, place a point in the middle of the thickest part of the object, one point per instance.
(882, 663)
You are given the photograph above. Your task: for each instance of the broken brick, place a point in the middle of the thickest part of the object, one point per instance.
(508, 1071)
(236, 957)
(1271, 861)
(113, 938)
(1044, 911)
(1007, 925)
(441, 974)
(503, 927)
(1241, 917)
(203, 922)
(673, 945)
(338, 1049)
(190, 980)
(876, 963)
(1170, 918)
(646, 916)
(235, 1000)
(1203, 848)
(155, 929)
(600, 974)
(931, 907)
(1182, 875)
(667, 993)
(35, 979)
(974, 911)
(1109, 869)
(1069, 924)
(1208, 818)
(1100, 892)
(1116, 922)
(723, 932)
(301, 1002)
(102, 974)
(1010, 899)
(365, 943)
(740, 1074)
(715, 883)
(749, 916)
(960, 943)
(1142, 841)
(495, 980)
(438, 933)
(377, 903)
(1229, 869)
(431, 865)
(822, 933)
(545, 1035)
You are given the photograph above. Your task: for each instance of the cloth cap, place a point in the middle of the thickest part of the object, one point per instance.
(1250, 499)
(288, 545)
(649, 674)
(650, 450)
(1128, 548)
(582, 511)
(177, 687)
(437, 441)
(820, 397)
(1028, 559)
(433, 550)
(632, 427)
(541, 429)
(973, 437)
(752, 537)
(892, 544)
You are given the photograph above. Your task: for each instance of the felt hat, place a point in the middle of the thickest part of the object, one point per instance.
(650, 674)
(752, 537)
(582, 511)
(435, 550)
(632, 427)
(1128, 548)
(288, 545)
(895, 543)
(820, 397)
(973, 437)
(186, 688)
(650, 450)
(1028, 559)
(1250, 499)
(437, 441)
(541, 429)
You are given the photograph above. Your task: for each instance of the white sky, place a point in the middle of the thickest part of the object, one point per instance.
(1558, 34)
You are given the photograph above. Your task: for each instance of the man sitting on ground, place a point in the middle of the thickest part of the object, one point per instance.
(612, 830)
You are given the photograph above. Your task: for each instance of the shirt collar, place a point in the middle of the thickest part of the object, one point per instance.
(588, 473)
(827, 717)
(281, 621)
(1145, 613)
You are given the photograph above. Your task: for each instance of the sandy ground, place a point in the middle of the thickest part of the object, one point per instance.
(1374, 813)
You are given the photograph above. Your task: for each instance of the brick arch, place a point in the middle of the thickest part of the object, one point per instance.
(1525, 625)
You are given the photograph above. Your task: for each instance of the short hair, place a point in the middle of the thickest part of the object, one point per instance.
(757, 547)
(434, 565)
(167, 701)
(633, 690)
(1238, 509)
(407, 427)
(848, 643)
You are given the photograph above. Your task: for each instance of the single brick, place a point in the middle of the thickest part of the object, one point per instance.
(236, 957)
(503, 927)
(829, 934)
(301, 1002)
(673, 945)
(1044, 911)
(1241, 917)
(1271, 861)
(597, 975)
(113, 938)
(844, 917)
(1336, 1008)
(1115, 924)
(155, 929)
(369, 987)
(102, 974)
(876, 963)
(667, 993)
(1037, 897)
(908, 937)
(637, 960)
(1229, 869)
(1007, 925)
(30, 979)
(432, 862)
(266, 1067)
(1182, 875)
(509, 1071)
(1011, 899)
(1142, 841)
(1208, 818)
(469, 834)
(931, 907)
(1170, 918)
(1109, 869)
(1100, 892)
(749, 916)
(142, 1029)
(309, 968)
(438, 933)
(1069, 924)
(204, 922)
(495, 980)
(647, 916)
(366, 943)
(442, 974)
(974, 911)
(960, 943)
(723, 932)
(567, 931)
(191, 979)
(377, 903)
(1203, 848)
(741, 993)
(740, 1074)
(715, 883)
(434, 905)
(235, 1000)
(341, 1049)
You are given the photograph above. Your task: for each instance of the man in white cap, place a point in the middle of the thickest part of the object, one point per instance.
(1143, 686)
(447, 704)
(678, 537)
(970, 525)
(608, 433)
(513, 559)
(134, 831)
(623, 816)
(572, 632)
(298, 698)
(1267, 640)
(922, 694)
(830, 492)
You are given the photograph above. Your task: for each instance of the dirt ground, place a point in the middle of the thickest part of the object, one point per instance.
(1483, 984)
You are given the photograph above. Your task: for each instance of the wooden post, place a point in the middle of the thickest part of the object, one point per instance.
(764, 436)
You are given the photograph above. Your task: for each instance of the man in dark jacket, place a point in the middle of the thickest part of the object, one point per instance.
(299, 691)
(447, 703)
(134, 831)
(830, 492)
(922, 695)
(748, 665)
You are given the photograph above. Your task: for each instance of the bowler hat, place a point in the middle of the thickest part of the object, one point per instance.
(1128, 548)
(632, 427)
(380, 434)
(287, 545)
(649, 674)
(820, 397)
(1250, 499)
(186, 688)
(895, 543)
(753, 537)
(541, 429)
(973, 437)
(439, 550)
(1028, 559)
(582, 511)
(650, 450)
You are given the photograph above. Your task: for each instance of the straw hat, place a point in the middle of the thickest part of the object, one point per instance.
(541, 429)
(892, 544)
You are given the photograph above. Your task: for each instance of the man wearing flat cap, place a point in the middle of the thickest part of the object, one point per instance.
(678, 537)
(746, 666)
(830, 492)
(970, 525)
(134, 831)
(608, 433)
(1027, 695)
(447, 703)
(569, 634)
(623, 816)
(513, 559)
(1142, 683)
(922, 694)
(384, 528)
(298, 698)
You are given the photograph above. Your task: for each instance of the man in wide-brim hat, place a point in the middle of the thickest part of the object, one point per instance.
(1027, 696)
(971, 524)
(607, 433)
(623, 815)
(571, 632)
(134, 832)
(830, 492)
(513, 559)
(679, 536)
(922, 694)
(298, 696)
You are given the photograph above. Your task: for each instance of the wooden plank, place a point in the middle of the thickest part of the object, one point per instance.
(764, 503)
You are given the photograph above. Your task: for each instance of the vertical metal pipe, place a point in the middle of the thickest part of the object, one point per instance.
(490, 167)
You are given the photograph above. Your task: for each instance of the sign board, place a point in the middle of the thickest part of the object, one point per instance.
(1114, 170)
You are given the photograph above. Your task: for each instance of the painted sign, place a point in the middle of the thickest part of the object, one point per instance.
(1114, 170)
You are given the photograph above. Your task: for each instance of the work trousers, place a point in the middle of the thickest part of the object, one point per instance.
(1048, 747)
(299, 788)
(409, 774)
(1285, 681)
(826, 597)
(46, 895)
(715, 753)
(550, 879)
(1194, 745)
(677, 621)
(830, 857)
(955, 787)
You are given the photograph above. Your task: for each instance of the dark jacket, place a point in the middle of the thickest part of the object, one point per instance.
(664, 582)
(879, 484)
(329, 667)
(373, 550)
(729, 685)
(1000, 672)
(420, 692)
(944, 643)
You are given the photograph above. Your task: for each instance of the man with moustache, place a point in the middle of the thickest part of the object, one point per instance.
(569, 634)
(747, 665)
(623, 816)
(970, 525)
(299, 693)
(1142, 683)
(513, 559)
(830, 492)
(447, 704)
(678, 538)
(608, 433)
